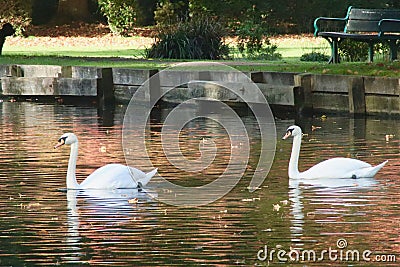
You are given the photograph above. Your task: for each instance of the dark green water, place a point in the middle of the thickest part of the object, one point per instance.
(43, 226)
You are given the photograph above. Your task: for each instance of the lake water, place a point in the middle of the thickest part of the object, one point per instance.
(43, 225)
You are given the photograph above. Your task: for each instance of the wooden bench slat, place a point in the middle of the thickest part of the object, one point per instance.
(365, 25)
(389, 25)
(362, 26)
(373, 14)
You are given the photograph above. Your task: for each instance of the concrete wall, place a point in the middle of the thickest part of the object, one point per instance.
(354, 94)
(298, 91)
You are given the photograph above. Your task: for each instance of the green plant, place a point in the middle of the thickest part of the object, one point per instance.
(196, 38)
(165, 13)
(16, 12)
(350, 50)
(253, 42)
(315, 57)
(120, 14)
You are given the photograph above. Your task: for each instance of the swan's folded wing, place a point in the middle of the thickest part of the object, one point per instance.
(369, 172)
(334, 168)
(109, 176)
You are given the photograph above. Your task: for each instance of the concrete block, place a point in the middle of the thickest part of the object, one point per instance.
(228, 76)
(28, 86)
(85, 72)
(105, 88)
(381, 104)
(356, 95)
(382, 85)
(276, 78)
(174, 79)
(75, 87)
(131, 76)
(10, 71)
(302, 93)
(226, 91)
(35, 71)
(178, 95)
(330, 83)
(331, 102)
(277, 94)
(124, 93)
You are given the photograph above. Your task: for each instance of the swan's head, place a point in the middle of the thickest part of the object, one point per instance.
(292, 131)
(66, 139)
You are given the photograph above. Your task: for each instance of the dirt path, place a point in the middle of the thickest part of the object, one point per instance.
(99, 35)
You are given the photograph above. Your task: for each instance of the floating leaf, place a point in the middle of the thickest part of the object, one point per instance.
(133, 200)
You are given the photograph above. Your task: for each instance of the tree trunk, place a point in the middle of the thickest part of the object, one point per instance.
(72, 10)
(145, 12)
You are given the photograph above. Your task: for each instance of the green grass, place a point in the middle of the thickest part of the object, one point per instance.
(132, 57)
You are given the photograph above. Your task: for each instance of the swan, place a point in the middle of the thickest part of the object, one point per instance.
(331, 168)
(110, 176)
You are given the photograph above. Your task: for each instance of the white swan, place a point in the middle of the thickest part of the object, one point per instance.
(331, 168)
(110, 176)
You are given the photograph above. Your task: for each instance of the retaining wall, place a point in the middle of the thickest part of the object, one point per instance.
(301, 92)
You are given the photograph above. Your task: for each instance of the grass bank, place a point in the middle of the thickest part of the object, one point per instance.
(113, 51)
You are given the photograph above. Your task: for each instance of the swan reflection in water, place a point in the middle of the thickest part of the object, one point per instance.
(343, 192)
(94, 213)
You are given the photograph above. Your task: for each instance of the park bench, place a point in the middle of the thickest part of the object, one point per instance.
(365, 25)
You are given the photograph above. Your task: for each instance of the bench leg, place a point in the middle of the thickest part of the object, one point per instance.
(371, 52)
(335, 51)
(333, 42)
(393, 49)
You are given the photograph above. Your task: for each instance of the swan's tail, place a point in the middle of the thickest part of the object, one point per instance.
(143, 181)
(371, 171)
(380, 166)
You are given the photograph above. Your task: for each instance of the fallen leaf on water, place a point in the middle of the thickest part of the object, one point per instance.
(276, 207)
(32, 205)
(284, 202)
(133, 200)
(310, 214)
(43, 232)
(253, 188)
(388, 137)
(313, 128)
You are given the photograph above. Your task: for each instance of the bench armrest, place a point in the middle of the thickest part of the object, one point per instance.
(388, 25)
(316, 28)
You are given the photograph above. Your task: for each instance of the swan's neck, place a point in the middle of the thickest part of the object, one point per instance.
(71, 178)
(294, 157)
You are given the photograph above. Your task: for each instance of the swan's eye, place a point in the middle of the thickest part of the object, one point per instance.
(62, 139)
(290, 130)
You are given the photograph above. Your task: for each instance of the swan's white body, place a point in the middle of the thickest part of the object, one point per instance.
(331, 168)
(110, 176)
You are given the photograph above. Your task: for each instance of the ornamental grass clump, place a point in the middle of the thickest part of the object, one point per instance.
(195, 38)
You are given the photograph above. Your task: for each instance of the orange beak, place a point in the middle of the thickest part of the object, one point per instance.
(60, 143)
(287, 135)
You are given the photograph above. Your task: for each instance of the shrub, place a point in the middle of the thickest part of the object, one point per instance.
(314, 56)
(350, 50)
(16, 12)
(253, 42)
(165, 13)
(120, 14)
(195, 38)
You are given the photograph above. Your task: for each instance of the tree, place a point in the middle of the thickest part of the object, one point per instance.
(145, 12)
(72, 10)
